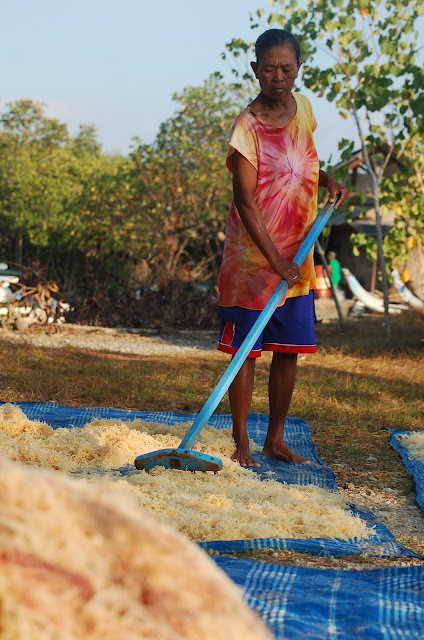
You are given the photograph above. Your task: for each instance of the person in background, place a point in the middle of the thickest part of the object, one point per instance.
(335, 269)
(276, 175)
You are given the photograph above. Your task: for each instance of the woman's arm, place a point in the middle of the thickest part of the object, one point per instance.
(244, 187)
(333, 187)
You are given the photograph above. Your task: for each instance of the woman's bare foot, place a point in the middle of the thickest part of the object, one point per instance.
(283, 452)
(243, 456)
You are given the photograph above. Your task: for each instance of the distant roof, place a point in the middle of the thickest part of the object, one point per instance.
(361, 223)
(357, 158)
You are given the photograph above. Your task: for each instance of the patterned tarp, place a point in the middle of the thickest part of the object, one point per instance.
(327, 604)
(415, 467)
(296, 430)
(297, 436)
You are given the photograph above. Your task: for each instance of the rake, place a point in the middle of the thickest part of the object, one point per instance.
(184, 457)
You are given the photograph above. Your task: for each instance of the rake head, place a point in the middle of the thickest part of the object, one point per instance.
(184, 459)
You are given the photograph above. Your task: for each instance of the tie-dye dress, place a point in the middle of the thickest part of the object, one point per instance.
(286, 194)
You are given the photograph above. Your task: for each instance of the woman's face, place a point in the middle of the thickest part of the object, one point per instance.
(276, 70)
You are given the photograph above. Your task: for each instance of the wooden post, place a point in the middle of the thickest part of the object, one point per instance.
(420, 264)
(374, 276)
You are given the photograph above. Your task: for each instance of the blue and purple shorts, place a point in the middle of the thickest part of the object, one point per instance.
(291, 329)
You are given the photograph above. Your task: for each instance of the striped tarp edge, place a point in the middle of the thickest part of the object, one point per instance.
(415, 467)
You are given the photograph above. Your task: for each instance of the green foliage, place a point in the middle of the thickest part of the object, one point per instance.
(185, 185)
(37, 173)
(374, 75)
(404, 192)
(92, 218)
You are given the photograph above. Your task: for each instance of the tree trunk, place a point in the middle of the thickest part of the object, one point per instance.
(382, 262)
(374, 275)
(379, 232)
(18, 253)
(420, 270)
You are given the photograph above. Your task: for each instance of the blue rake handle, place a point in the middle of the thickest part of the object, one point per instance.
(247, 344)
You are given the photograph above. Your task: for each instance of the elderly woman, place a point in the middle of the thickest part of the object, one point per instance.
(276, 175)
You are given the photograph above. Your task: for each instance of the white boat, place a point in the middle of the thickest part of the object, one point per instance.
(370, 300)
(6, 293)
(405, 293)
(9, 279)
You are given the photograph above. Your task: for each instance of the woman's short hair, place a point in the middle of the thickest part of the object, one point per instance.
(276, 38)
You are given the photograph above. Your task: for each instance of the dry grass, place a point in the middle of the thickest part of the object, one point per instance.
(79, 378)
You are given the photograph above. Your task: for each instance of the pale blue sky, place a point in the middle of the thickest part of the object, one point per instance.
(116, 63)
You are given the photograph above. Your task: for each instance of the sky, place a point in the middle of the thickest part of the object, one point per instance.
(116, 63)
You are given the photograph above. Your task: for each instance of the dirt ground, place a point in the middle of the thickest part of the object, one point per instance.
(400, 513)
(141, 341)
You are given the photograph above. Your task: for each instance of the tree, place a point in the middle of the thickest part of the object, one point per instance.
(100, 221)
(373, 77)
(42, 173)
(32, 157)
(405, 188)
(182, 184)
(90, 217)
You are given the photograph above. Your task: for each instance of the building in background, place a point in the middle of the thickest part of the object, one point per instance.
(365, 270)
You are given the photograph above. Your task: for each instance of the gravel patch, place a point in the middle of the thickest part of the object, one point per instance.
(144, 342)
(126, 341)
(397, 511)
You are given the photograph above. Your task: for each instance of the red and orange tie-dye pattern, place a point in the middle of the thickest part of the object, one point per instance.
(286, 194)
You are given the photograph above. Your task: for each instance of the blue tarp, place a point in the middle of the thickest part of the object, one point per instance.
(296, 430)
(415, 467)
(299, 603)
(297, 436)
